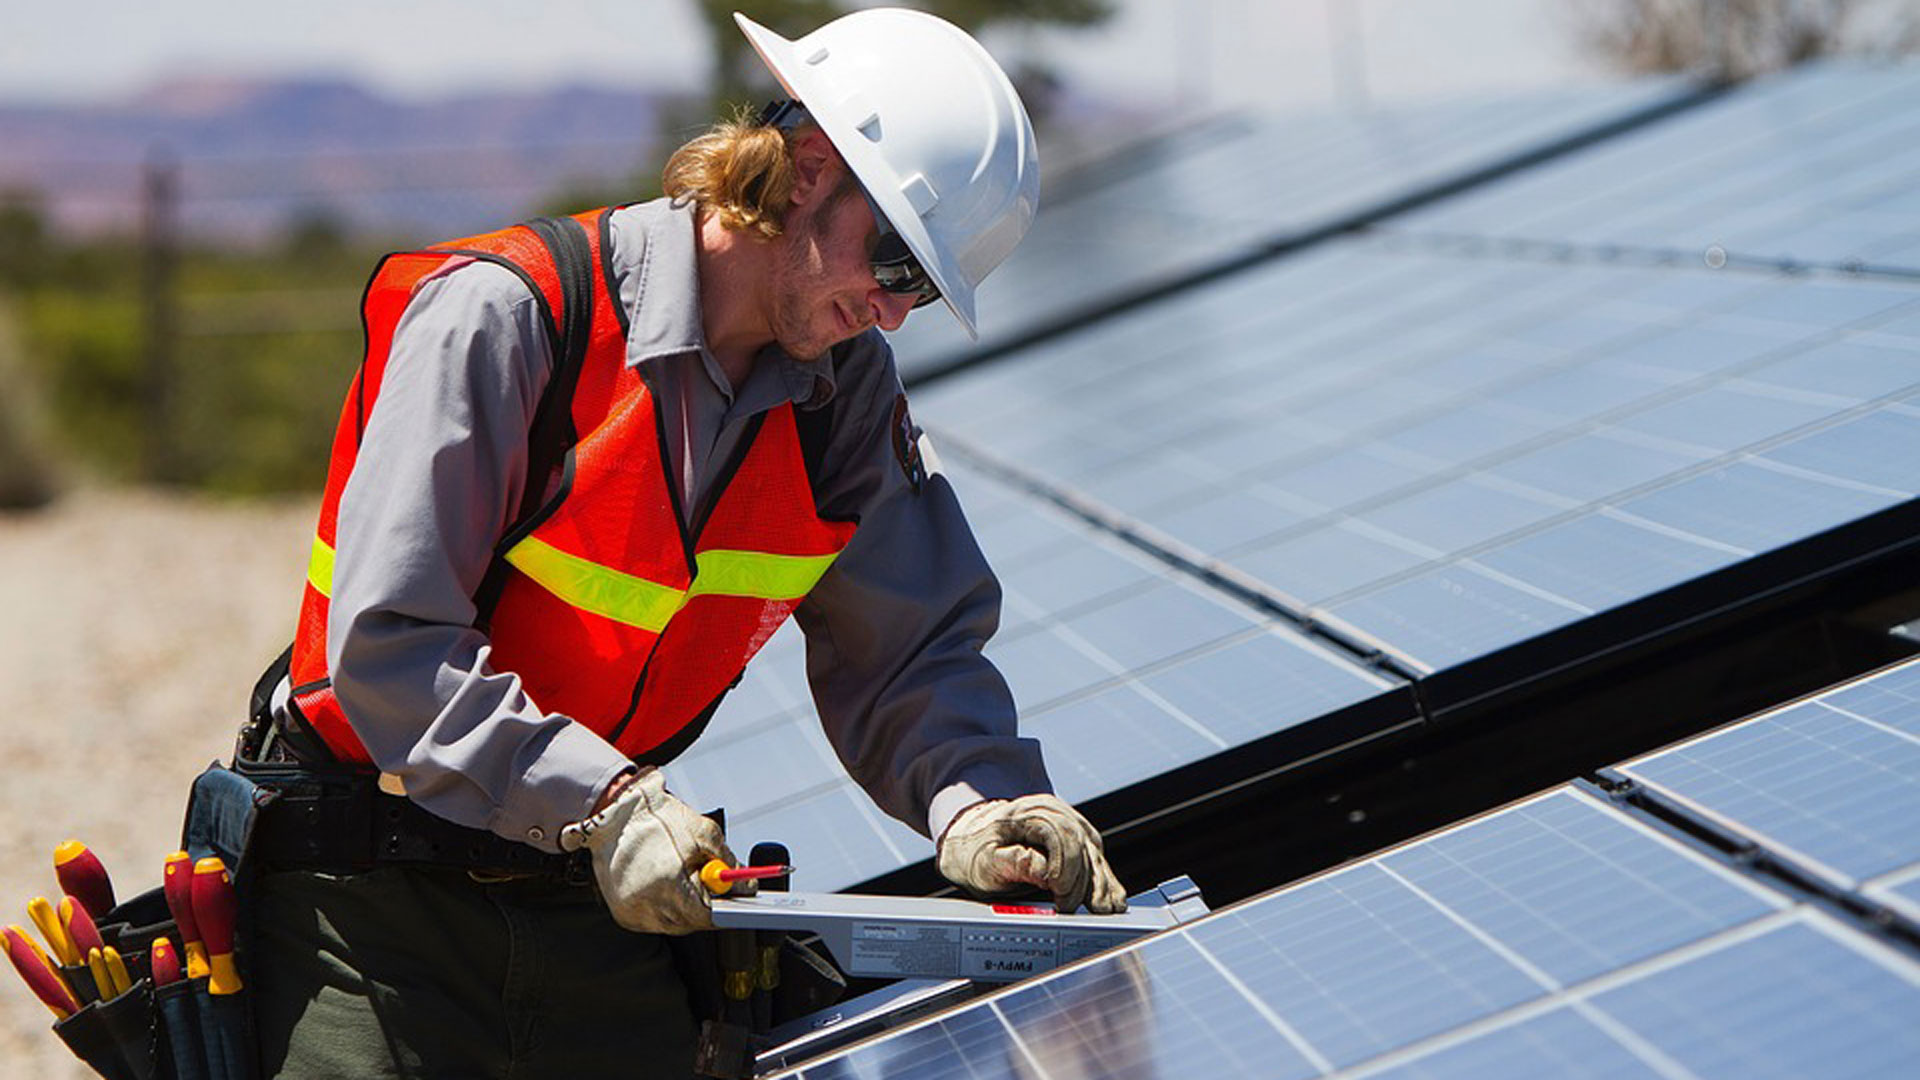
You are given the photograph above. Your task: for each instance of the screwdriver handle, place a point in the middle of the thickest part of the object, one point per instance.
(40, 910)
(165, 962)
(213, 914)
(82, 876)
(178, 884)
(41, 978)
(79, 925)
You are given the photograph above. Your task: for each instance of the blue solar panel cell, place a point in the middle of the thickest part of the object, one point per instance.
(1119, 736)
(1836, 792)
(1890, 698)
(1261, 684)
(1044, 664)
(1596, 465)
(1067, 578)
(1803, 999)
(1599, 561)
(1560, 1043)
(1723, 418)
(1333, 959)
(1158, 1011)
(1754, 508)
(1455, 613)
(1574, 890)
(1814, 166)
(1325, 563)
(1877, 448)
(1450, 516)
(1156, 622)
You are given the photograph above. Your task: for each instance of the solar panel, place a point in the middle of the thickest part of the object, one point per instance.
(1458, 455)
(1183, 203)
(1818, 166)
(1787, 999)
(1824, 781)
(1556, 937)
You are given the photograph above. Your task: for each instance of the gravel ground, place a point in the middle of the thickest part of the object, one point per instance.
(132, 626)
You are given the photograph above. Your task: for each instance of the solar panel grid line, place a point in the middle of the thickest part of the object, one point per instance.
(1124, 299)
(1610, 505)
(1873, 722)
(1783, 741)
(1581, 997)
(1898, 892)
(1616, 253)
(1370, 653)
(1280, 1024)
(1570, 431)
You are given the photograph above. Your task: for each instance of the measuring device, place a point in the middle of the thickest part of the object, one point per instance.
(903, 937)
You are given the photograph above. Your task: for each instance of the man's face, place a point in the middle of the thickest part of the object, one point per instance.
(823, 286)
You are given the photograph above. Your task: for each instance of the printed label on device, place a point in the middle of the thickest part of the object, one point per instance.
(897, 950)
(1003, 954)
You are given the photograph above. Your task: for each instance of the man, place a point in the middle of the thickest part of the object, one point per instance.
(515, 628)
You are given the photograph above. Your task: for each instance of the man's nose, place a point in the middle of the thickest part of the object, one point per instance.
(890, 308)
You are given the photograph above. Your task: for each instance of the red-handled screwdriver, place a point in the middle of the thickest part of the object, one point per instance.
(718, 877)
(213, 914)
(82, 876)
(166, 962)
(42, 979)
(75, 916)
(179, 889)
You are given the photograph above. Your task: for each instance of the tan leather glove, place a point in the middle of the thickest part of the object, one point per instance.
(998, 844)
(648, 848)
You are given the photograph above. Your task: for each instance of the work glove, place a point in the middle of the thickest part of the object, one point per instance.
(1000, 844)
(648, 848)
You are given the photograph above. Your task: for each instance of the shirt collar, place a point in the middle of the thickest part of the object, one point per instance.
(655, 259)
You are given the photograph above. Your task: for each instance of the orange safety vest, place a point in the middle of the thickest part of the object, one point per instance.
(610, 609)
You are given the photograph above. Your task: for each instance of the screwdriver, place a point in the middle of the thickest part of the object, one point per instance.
(82, 876)
(42, 979)
(40, 910)
(178, 884)
(165, 962)
(718, 877)
(213, 916)
(117, 967)
(76, 919)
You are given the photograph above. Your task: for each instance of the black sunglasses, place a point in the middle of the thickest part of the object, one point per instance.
(894, 267)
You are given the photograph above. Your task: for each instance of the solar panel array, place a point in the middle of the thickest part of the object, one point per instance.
(1280, 497)
(1567, 935)
(1186, 201)
(1816, 168)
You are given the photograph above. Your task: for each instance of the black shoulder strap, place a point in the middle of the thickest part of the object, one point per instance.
(552, 434)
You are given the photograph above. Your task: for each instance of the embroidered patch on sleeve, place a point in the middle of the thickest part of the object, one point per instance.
(906, 444)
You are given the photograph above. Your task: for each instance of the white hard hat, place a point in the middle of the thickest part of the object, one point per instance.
(930, 126)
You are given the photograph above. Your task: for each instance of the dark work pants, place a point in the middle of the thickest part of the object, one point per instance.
(411, 973)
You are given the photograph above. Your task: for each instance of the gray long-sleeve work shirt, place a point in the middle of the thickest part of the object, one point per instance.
(894, 630)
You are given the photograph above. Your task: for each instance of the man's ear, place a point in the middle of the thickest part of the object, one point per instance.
(814, 164)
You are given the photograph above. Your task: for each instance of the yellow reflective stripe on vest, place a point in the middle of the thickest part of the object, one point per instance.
(758, 574)
(320, 568)
(635, 601)
(602, 590)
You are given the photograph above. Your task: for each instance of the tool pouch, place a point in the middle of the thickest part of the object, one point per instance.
(789, 980)
(116, 1038)
(120, 1037)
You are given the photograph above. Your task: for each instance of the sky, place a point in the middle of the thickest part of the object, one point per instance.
(1169, 55)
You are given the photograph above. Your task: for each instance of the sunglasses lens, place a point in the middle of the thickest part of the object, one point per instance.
(895, 268)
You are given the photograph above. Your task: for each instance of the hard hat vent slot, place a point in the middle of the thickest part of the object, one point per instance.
(870, 127)
(818, 56)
